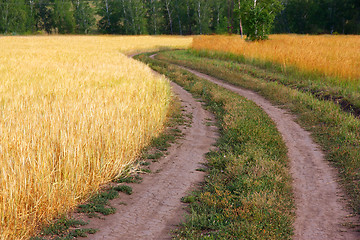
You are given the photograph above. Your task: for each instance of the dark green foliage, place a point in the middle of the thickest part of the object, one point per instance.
(258, 17)
(122, 17)
(13, 16)
(179, 16)
(84, 16)
(319, 17)
(63, 17)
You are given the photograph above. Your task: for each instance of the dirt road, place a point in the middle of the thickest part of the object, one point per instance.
(320, 209)
(154, 208)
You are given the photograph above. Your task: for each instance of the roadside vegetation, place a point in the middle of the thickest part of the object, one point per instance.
(247, 191)
(75, 112)
(318, 105)
(71, 224)
(325, 55)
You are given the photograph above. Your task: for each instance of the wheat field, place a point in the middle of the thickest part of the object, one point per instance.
(334, 56)
(75, 111)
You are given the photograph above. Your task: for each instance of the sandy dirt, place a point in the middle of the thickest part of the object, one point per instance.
(321, 211)
(155, 207)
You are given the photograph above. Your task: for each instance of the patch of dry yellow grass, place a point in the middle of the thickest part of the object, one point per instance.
(74, 112)
(337, 56)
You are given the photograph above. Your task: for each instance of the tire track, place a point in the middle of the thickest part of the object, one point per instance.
(154, 208)
(321, 211)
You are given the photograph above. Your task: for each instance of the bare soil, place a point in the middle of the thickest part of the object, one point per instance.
(154, 209)
(155, 206)
(321, 210)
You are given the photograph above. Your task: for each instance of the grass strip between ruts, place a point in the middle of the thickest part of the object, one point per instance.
(344, 92)
(337, 131)
(247, 192)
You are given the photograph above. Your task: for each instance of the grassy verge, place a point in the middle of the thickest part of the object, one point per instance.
(336, 130)
(247, 192)
(346, 93)
(99, 205)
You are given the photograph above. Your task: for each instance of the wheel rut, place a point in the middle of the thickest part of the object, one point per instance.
(155, 206)
(154, 209)
(321, 211)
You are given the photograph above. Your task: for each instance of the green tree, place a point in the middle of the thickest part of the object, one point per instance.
(319, 16)
(155, 16)
(137, 12)
(258, 17)
(219, 16)
(63, 17)
(122, 16)
(42, 12)
(84, 16)
(13, 16)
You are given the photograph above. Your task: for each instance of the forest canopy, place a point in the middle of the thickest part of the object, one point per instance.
(181, 17)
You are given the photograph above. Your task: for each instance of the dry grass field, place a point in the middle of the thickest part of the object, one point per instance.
(75, 112)
(336, 56)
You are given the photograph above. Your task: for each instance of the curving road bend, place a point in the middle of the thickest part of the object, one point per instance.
(321, 211)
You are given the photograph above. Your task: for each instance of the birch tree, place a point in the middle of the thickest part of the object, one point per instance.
(84, 16)
(12, 16)
(259, 17)
(202, 13)
(169, 12)
(63, 17)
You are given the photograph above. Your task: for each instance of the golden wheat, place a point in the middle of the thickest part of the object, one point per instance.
(74, 112)
(336, 56)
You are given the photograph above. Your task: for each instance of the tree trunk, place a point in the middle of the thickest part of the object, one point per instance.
(240, 23)
(188, 15)
(256, 30)
(107, 13)
(167, 3)
(199, 16)
(180, 30)
(154, 16)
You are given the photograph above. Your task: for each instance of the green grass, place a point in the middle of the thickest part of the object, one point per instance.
(344, 92)
(98, 205)
(247, 192)
(62, 230)
(124, 188)
(331, 124)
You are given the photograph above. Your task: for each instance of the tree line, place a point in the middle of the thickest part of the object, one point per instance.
(254, 18)
(319, 16)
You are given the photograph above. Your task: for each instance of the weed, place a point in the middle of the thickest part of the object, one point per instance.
(154, 156)
(201, 169)
(129, 179)
(99, 204)
(61, 230)
(144, 170)
(188, 199)
(144, 163)
(124, 188)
